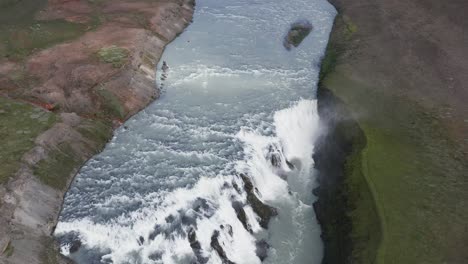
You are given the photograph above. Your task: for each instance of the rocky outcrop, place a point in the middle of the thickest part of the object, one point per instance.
(264, 211)
(298, 32)
(218, 248)
(90, 95)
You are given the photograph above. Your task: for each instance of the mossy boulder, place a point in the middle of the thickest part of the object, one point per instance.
(114, 55)
(298, 32)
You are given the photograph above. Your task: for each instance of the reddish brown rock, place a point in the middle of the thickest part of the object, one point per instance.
(91, 94)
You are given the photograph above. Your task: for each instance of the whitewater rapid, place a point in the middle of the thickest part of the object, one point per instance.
(236, 108)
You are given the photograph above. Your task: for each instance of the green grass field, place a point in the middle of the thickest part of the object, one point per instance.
(63, 159)
(20, 124)
(408, 176)
(21, 34)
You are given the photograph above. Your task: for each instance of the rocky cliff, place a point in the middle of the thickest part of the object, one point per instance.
(70, 72)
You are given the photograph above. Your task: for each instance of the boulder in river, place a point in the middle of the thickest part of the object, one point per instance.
(298, 32)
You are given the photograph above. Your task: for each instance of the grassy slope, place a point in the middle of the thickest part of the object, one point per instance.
(415, 174)
(20, 124)
(55, 170)
(21, 34)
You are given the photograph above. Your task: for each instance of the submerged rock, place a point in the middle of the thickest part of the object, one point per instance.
(274, 156)
(140, 240)
(75, 246)
(298, 32)
(262, 249)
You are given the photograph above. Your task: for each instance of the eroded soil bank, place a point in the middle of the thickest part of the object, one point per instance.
(70, 72)
(391, 97)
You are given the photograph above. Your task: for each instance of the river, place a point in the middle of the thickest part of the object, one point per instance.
(168, 187)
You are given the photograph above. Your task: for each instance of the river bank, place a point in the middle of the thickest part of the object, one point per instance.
(70, 73)
(390, 95)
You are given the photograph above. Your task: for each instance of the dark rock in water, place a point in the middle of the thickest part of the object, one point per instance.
(229, 229)
(141, 240)
(164, 66)
(274, 156)
(236, 187)
(218, 248)
(238, 207)
(262, 249)
(192, 237)
(226, 185)
(201, 205)
(164, 69)
(265, 212)
(157, 230)
(187, 220)
(75, 246)
(298, 32)
(275, 160)
(170, 219)
(72, 239)
(155, 255)
(196, 246)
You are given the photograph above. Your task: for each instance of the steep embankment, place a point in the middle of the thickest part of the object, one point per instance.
(70, 72)
(393, 95)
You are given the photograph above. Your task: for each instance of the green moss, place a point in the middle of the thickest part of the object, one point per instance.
(328, 62)
(415, 175)
(112, 105)
(56, 169)
(343, 31)
(141, 20)
(20, 40)
(19, 11)
(96, 2)
(21, 34)
(97, 132)
(50, 252)
(9, 250)
(20, 123)
(349, 27)
(366, 234)
(115, 55)
(23, 80)
(406, 182)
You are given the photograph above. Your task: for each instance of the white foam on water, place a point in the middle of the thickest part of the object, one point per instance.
(120, 236)
(297, 129)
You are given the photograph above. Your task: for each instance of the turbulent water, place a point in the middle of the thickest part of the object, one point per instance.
(168, 187)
